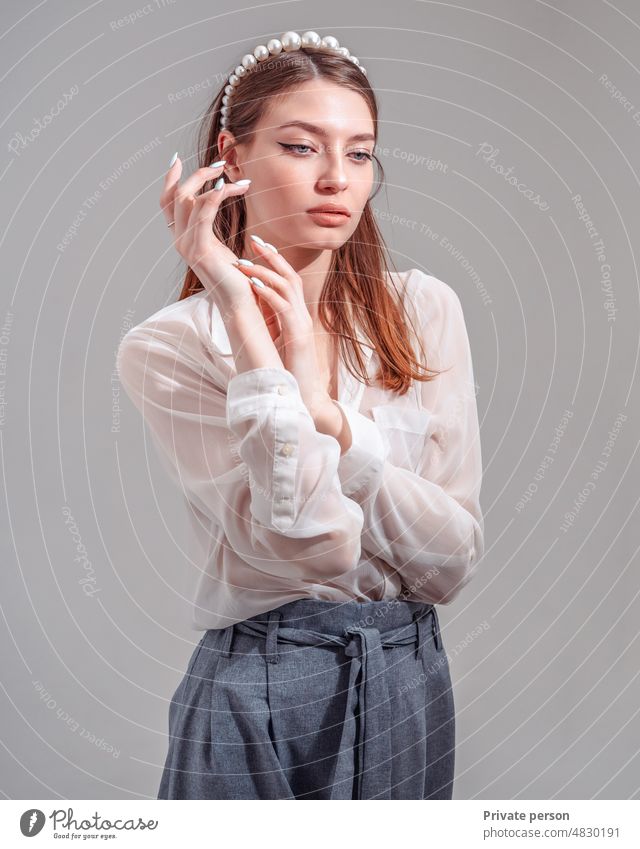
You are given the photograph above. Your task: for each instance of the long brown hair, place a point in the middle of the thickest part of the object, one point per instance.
(357, 276)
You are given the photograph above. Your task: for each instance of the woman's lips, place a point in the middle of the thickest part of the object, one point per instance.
(329, 219)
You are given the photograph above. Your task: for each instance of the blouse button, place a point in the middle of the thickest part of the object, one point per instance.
(281, 389)
(287, 449)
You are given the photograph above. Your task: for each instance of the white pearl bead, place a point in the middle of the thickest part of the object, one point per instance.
(261, 53)
(234, 80)
(240, 71)
(249, 61)
(274, 46)
(224, 110)
(290, 41)
(330, 41)
(364, 70)
(228, 89)
(225, 99)
(311, 39)
(343, 51)
(355, 60)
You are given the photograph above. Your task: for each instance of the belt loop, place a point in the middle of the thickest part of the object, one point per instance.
(271, 648)
(227, 639)
(435, 627)
(420, 618)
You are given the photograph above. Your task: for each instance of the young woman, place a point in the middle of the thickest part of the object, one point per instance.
(332, 473)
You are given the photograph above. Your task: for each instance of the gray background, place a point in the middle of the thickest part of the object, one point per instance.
(543, 644)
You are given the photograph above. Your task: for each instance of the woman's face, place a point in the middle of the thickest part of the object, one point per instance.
(295, 168)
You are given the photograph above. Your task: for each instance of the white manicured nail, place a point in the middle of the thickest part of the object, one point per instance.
(244, 262)
(242, 182)
(219, 184)
(258, 240)
(173, 159)
(269, 245)
(257, 282)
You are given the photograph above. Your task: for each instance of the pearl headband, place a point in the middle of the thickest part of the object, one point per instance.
(288, 41)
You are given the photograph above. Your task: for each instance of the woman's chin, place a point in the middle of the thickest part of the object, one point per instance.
(313, 238)
(322, 237)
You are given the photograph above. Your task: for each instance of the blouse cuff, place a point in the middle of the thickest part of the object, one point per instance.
(271, 385)
(360, 467)
(263, 409)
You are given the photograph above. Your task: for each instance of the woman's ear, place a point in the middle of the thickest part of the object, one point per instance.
(231, 168)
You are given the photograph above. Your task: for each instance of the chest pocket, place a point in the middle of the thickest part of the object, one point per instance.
(405, 430)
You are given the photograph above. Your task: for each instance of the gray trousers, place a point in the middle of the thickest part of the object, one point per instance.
(316, 700)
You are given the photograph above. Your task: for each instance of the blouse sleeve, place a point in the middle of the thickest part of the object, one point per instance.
(251, 460)
(426, 524)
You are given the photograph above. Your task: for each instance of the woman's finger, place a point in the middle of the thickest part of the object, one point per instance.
(171, 180)
(195, 181)
(273, 324)
(273, 299)
(271, 278)
(207, 204)
(184, 196)
(270, 318)
(274, 260)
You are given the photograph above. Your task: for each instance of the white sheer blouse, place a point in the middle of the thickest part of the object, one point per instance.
(276, 513)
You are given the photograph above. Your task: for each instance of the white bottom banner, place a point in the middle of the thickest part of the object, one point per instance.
(470, 823)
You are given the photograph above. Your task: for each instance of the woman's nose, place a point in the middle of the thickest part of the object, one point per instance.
(333, 178)
(332, 171)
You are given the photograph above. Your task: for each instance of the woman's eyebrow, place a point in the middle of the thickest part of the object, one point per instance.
(312, 128)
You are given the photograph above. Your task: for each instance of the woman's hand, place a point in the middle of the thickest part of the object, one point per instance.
(271, 320)
(290, 325)
(195, 240)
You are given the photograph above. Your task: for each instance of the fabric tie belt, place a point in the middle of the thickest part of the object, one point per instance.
(364, 645)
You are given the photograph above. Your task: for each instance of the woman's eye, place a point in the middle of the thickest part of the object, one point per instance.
(293, 146)
(366, 154)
